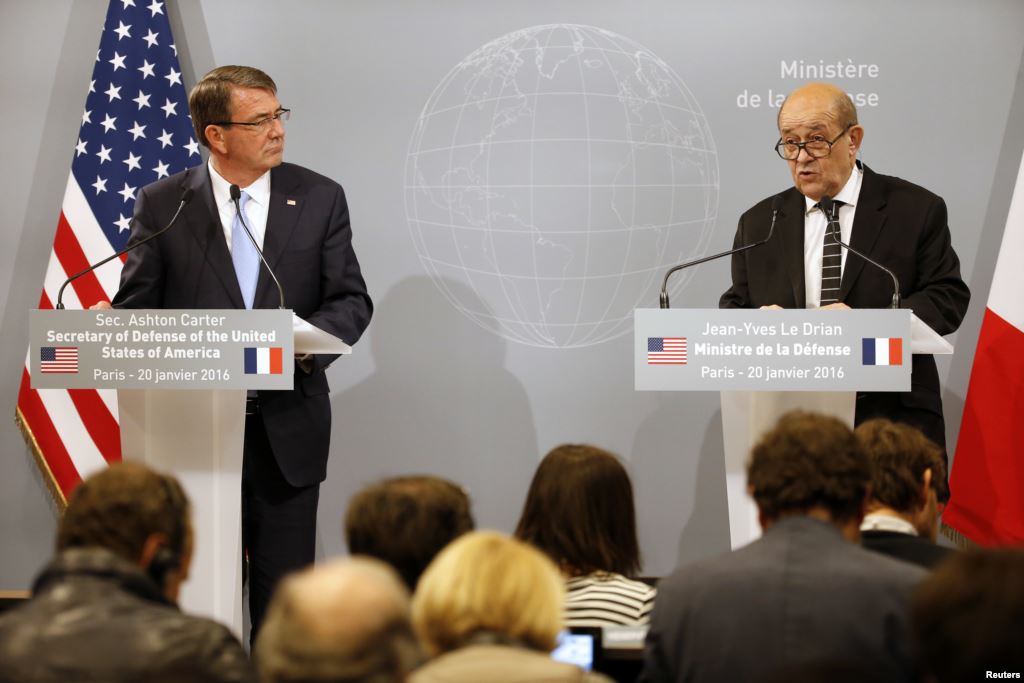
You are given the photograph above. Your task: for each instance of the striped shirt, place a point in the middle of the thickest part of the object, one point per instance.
(604, 599)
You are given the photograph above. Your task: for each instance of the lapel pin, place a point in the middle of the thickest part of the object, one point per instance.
(291, 202)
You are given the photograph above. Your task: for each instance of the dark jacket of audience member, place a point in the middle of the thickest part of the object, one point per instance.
(968, 617)
(103, 609)
(406, 521)
(579, 511)
(803, 593)
(907, 474)
(97, 617)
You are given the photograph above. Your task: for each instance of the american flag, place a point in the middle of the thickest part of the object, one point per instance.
(135, 129)
(666, 350)
(58, 359)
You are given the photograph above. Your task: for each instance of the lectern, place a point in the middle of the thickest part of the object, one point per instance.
(181, 380)
(765, 363)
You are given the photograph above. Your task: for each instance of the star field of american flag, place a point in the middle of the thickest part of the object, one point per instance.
(135, 126)
(135, 129)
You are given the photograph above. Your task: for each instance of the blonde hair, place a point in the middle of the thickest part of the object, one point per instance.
(486, 582)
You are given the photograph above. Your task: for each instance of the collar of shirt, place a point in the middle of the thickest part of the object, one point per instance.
(876, 522)
(814, 234)
(255, 208)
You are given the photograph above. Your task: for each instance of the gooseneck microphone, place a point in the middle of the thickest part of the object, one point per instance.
(236, 194)
(186, 197)
(831, 211)
(776, 207)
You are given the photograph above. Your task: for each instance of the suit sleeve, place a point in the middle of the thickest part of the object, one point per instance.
(345, 307)
(938, 296)
(142, 277)
(738, 295)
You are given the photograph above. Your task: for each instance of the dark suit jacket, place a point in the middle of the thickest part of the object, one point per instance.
(919, 551)
(900, 225)
(801, 593)
(308, 243)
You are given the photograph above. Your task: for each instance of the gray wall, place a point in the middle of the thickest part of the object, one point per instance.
(432, 389)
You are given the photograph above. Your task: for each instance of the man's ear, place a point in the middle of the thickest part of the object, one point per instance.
(215, 138)
(926, 486)
(856, 138)
(150, 547)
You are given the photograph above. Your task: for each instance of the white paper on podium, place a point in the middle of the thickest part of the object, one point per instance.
(924, 339)
(311, 339)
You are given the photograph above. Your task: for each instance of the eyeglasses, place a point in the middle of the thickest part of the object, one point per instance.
(281, 115)
(817, 147)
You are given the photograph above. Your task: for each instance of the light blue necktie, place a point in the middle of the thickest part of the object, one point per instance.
(244, 256)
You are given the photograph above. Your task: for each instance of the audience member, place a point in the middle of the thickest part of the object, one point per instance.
(968, 617)
(344, 621)
(104, 608)
(579, 511)
(903, 512)
(801, 594)
(406, 521)
(489, 608)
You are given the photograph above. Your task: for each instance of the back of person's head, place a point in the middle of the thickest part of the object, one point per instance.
(406, 521)
(346, 620)
(968, 617)
(121, 507)
(901, 456)
(579, 511)
(488, 586)
(809, 462)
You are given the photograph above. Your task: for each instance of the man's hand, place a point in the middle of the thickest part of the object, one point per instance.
(773, 307)
(100, 306)
(839, 305)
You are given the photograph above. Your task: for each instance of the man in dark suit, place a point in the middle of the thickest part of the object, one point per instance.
(803, 595)
(301, 220)
(903, 512)
(898, 224)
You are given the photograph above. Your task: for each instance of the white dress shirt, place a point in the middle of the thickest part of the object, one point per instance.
(255, 209)
(814, 234)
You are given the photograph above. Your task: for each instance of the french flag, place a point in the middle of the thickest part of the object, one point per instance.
(883, 351)
(987, 480)
(264, 360)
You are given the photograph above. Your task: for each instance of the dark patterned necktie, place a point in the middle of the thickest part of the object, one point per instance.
(832, 259)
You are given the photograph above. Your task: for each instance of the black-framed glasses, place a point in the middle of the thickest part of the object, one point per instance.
(817, 147)
(281, 115)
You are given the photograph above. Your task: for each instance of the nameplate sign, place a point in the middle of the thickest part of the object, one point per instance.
(161, 349)
(772, 350)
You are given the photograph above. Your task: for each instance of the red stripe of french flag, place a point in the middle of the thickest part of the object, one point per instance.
(987, 477)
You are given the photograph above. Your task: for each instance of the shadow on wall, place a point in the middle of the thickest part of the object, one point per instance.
(682, 476)
(439, 401)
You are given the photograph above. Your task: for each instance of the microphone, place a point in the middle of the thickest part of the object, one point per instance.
(186, 197)
(236, 194)
(776, 207)
(830, 210)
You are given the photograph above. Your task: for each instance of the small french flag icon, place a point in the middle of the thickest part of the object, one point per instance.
(883, 351)
(264, 360)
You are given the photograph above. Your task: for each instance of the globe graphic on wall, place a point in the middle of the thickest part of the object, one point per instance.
(557, 172)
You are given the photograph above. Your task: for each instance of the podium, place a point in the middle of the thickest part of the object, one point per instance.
(182, 379)
(765, 363)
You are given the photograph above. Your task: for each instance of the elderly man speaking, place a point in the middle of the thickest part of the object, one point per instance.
(899, 224)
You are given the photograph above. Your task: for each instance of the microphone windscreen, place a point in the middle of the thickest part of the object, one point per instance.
(236, 193)
(186, 196)
(777, 203)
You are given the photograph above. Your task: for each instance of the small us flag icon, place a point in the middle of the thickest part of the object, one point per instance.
(58, 359)
(666, 350)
